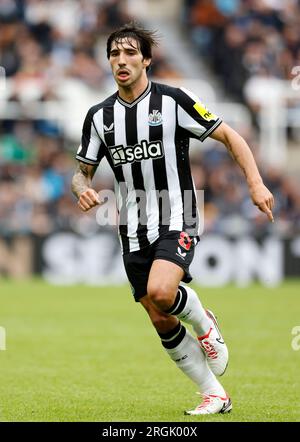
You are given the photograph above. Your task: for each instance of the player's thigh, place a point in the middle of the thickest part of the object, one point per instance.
(164, 277)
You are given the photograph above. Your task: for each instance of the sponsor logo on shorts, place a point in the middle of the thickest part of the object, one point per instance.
(180, 253)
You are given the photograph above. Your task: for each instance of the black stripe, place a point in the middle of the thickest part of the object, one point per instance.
(86, 131)
(171, 333)
(108, 119)
(137, 175)
(176, 341)
(159, 167)
(211, 130)
(189, 204)
(85, 160)
(175, 304)
(182, 303)
(86, 137)
(187, 103)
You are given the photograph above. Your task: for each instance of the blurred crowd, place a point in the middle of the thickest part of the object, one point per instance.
(247, 42)
(228, 207)
(42, 42)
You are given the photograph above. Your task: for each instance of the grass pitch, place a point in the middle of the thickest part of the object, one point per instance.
(91, 354)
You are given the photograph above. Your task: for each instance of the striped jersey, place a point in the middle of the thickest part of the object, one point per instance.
(146, 143)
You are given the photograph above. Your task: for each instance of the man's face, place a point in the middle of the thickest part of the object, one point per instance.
(127, 62)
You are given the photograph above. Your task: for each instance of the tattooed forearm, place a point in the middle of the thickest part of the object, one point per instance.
(82, 179)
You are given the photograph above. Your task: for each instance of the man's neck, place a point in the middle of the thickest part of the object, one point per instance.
(133, 91)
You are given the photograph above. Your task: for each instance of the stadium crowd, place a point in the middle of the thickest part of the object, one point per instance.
(42, 42)
(242, 39)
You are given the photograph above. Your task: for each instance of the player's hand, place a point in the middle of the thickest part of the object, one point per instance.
(88, 200)
(263, 199)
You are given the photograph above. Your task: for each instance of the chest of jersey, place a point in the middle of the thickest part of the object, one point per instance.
(140, 133)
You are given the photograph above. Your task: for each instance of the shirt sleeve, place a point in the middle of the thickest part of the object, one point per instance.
(194, 117)
(92, 148)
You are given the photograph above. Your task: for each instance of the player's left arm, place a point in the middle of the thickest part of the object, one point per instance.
(241, 153)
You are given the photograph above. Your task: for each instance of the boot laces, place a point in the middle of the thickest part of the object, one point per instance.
(209, 349)
(206, 401)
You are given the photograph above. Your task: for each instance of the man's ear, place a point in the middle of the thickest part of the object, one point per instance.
(146, 62)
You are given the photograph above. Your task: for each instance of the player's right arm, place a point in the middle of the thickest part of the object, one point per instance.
(89, 154)
(82, 186)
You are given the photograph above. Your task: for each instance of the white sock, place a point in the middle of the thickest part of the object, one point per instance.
(188, 308)
(184, 350)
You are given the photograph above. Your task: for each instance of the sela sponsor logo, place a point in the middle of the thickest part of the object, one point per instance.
(128, 154)
(155, 118)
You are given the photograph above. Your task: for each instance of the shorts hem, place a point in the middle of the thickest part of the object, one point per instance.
(137, 297)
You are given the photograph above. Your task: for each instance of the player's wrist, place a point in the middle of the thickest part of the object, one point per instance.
(253, 183)
(85, 190)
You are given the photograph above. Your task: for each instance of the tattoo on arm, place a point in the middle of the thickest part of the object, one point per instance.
(82, 179)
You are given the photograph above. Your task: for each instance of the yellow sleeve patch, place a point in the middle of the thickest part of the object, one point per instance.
(204, 113)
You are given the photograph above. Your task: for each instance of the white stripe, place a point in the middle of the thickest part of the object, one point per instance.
(120, 138)
(98, 121)
(210, 130)
(94, 144)
(177, 303)
(191, 95)
(147, 171)
(188, 123)
(85, 160)
(197, 210)
(169, 127)
(116, 184)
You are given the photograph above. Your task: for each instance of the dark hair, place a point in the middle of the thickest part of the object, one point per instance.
(146, 39)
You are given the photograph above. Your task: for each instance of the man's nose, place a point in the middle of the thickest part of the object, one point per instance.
(122, 60)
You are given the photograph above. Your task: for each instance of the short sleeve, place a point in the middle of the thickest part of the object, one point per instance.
(91, 149)
(193, 116)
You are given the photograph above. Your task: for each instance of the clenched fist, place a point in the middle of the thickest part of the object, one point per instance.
(89, 199)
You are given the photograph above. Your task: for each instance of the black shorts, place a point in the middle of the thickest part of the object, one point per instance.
(173, 246)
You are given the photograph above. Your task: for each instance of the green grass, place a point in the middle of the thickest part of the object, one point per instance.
(91, 354)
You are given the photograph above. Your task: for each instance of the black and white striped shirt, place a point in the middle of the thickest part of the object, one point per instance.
(146, 143)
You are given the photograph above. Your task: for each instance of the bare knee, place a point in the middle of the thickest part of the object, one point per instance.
(162, 296)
